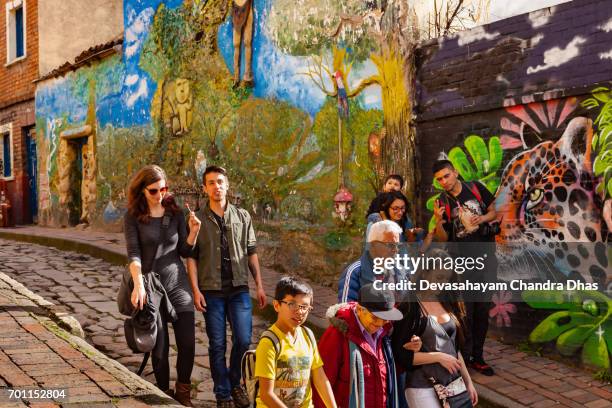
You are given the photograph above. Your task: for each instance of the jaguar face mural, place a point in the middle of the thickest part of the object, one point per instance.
(553, 188)
(550, 215)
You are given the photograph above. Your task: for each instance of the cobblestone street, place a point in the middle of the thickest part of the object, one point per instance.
(86, 288)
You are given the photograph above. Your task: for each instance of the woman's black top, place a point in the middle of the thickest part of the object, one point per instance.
(141, 240)
(436, 336)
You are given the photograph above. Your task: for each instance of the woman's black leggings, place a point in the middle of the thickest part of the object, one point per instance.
(184, 333)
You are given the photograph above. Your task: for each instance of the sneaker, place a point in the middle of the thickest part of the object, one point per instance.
(225, 403)
(482, 367)
(241, 399)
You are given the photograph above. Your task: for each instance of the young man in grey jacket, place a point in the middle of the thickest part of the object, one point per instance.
(224, 254)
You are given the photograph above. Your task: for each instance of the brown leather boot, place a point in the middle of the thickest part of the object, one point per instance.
(183, 394)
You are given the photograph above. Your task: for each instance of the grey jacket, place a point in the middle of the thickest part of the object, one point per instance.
(241, 241)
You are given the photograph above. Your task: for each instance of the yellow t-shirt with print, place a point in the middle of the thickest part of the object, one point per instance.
(291, 370)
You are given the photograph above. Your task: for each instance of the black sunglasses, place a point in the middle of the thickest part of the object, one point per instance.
(153, 191)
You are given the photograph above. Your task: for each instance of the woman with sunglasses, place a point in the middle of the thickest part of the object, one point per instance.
(150, 206)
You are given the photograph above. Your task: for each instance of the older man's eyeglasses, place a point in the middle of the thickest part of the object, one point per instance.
(294, 306)
(389, 245)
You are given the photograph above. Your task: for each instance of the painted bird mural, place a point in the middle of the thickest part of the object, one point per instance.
(343, 107)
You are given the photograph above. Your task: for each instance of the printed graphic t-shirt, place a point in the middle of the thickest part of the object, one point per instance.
(462, 208)
(291, 370)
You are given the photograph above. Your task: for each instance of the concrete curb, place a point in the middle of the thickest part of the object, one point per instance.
(98, 251)
(486, 394)
(143, 390)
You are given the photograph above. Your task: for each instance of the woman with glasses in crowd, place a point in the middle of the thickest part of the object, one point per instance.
(156, 239)
(395, 208)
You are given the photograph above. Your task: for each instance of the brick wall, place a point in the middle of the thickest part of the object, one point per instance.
(16, 79)
(466, 82)
(522, 81)
(17, 104)
(492, 65)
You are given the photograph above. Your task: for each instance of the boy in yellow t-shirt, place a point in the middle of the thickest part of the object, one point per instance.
(285, 375)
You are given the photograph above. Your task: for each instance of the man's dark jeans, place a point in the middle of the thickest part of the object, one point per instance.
(477, 312)
(236, 309)
(477, 322)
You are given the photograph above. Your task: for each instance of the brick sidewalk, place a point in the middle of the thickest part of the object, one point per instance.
(521, 380)
(35, 353)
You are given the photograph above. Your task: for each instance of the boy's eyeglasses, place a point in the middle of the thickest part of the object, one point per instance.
(294, 306)
(153, 191)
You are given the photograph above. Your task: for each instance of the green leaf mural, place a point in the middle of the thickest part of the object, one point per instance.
(583, 321)
(607, 327)
(595, 352)
(557, 323)
(570, 342)
(602, 140)
(483, 164)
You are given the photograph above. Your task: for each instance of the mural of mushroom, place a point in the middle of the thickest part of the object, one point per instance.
(343, 201)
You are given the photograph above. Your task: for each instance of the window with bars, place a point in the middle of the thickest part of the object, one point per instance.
(6, 169)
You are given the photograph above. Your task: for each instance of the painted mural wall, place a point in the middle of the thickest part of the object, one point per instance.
(523, 105)
(202, 82)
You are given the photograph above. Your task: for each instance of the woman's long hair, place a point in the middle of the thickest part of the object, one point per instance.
(450, 301)
(137, 202)
(387, 201)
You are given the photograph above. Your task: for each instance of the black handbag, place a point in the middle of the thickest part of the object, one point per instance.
(124, 296)
(141, 329)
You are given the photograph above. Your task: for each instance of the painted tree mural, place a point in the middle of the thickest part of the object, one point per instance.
(337, 72)
(269, 148)
(371, 32)
(180, 53)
